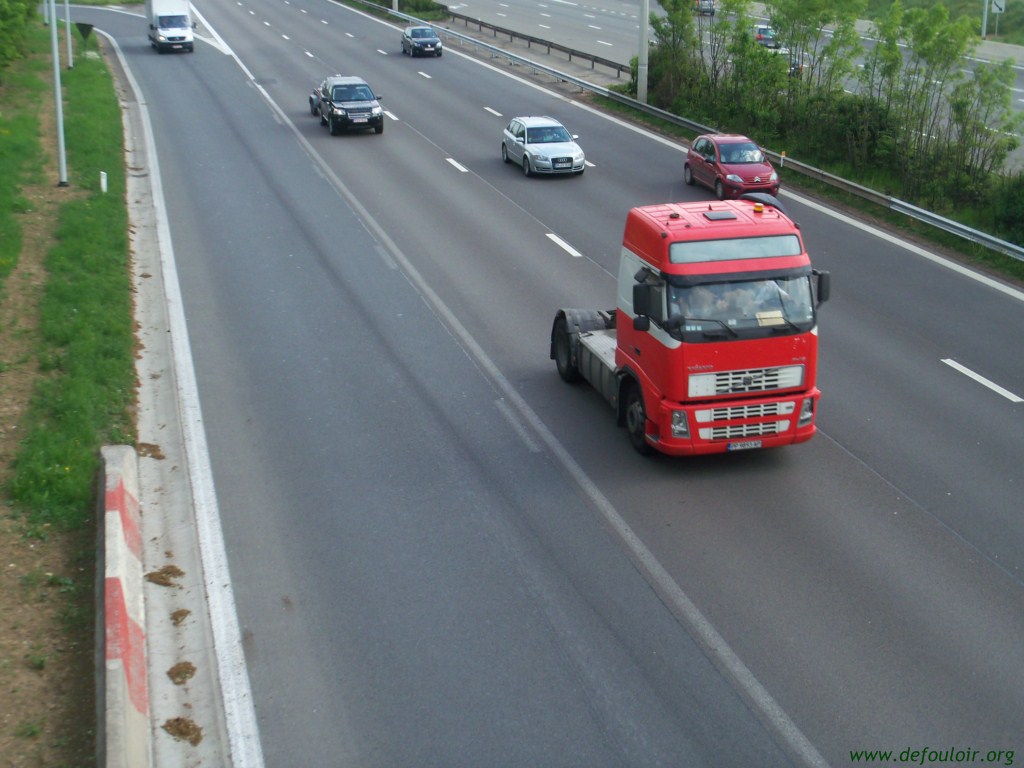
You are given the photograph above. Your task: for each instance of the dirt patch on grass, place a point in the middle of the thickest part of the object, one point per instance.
(47, 670)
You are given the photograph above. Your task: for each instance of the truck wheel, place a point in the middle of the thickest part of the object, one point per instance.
(636, 420)
(563, 353)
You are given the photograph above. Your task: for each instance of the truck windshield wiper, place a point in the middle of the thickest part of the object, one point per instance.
(674, 323)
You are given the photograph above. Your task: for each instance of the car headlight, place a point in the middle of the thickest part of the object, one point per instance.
(437, 44)
(774, 177)
(734, 178)
(339, 111)
(376, 111)
(578, 157)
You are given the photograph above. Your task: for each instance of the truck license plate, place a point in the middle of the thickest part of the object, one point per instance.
(744, 445)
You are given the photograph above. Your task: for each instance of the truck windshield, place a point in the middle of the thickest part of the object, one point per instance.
(741, 309)
(738, 249)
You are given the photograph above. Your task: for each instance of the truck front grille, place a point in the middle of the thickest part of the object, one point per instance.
(736, 431)
(740, 382)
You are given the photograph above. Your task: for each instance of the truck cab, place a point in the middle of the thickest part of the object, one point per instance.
(713, 344)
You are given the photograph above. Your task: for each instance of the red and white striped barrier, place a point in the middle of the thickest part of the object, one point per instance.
(125, 738)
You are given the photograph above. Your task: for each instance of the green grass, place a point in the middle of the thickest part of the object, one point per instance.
(84, 400)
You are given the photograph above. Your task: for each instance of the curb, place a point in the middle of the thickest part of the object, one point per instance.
(124, 738)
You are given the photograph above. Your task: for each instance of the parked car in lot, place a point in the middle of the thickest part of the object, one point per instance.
(765, 35)
(421, 41)
(346, 102)
(729, 164)
(541, 145)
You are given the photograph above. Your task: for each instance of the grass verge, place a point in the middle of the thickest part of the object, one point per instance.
(67, 386)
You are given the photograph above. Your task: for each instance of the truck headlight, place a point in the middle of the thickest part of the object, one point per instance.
(680, 428)
(806, 412)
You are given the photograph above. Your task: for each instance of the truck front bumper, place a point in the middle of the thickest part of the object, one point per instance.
(726, 426)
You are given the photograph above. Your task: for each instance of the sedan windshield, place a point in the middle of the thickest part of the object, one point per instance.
(553, 134)
(742, 308)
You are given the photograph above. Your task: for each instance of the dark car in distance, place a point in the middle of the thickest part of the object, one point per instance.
(729, 164)
(421, 41)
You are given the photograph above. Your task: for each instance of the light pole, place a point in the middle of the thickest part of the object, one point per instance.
(642, 51)
(62, 165)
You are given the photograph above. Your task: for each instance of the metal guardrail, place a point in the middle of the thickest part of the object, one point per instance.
(897, 206)
(616, 67)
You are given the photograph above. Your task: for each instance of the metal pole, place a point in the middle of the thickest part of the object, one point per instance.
(984, 18)
(67, 32)
(643, 47)
(62, 165)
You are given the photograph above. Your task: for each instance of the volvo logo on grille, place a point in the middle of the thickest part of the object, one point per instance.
(750, 378)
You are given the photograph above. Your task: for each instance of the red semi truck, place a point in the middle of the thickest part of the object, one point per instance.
(713, 346)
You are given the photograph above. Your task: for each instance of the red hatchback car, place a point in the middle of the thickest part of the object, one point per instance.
(731, 165)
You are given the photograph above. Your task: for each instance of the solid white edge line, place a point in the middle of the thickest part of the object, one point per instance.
(983, 381)
(564, 245)
(239, 712)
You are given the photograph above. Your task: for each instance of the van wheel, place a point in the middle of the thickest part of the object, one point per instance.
(563, 353)
(688, 174)
(636, 420)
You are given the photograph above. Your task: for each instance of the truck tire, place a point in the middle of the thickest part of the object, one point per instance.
(636, 419)
(563, 353)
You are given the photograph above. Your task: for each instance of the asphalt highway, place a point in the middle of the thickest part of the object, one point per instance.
(441, 554)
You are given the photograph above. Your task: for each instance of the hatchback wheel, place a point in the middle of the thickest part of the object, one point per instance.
(688, 174)
(719, 189)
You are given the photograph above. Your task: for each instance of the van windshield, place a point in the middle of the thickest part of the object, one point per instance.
(177, 21)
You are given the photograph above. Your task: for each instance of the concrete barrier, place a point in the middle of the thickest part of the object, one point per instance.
(124, 739)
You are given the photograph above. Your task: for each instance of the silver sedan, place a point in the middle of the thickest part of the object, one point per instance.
(541, 145)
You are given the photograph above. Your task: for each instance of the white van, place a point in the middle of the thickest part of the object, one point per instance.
(170, 25)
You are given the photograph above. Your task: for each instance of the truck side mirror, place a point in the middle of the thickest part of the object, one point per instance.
(824, 286)
(642, 299)
(641, 323)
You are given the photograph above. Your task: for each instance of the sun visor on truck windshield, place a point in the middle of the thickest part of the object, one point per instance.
(685, 281)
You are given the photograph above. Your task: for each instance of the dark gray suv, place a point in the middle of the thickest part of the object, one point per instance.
(345, 103)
